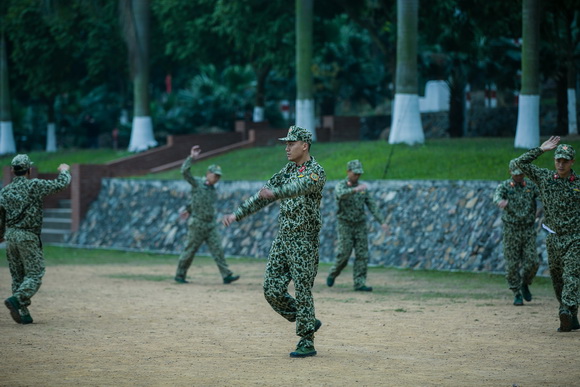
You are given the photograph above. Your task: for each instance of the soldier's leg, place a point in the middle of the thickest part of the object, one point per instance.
(34, 268)
(571, 275)
(304, 267)
(345, 246)
(276, 280)
(361, 252)
(195, 237)
(531, 259)
(15, 265)
(512, 257)
(555, 265)
(214, 244)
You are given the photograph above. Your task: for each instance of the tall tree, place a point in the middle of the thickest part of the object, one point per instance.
(406, 124)
(304, 84)
(135, 20)
(7, 144)
(528, 127)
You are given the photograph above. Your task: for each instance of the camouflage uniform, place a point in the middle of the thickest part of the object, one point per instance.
(201, 223)
(294, 252)
(519, 232)
(352, 227)
(561, 200)
(21, 224)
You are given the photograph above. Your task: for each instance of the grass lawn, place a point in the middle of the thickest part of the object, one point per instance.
(437, 159)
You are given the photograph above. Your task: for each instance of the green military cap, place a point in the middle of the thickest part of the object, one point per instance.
(565, 151)
(514, 170)
(215, 169)
(21, 162)
(355, 166)
(296, 133)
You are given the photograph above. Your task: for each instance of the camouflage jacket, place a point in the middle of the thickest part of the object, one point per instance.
(522, 206)
(560, 197)
(300, 189)
(351, 204)
(203, 196)
(21, 201)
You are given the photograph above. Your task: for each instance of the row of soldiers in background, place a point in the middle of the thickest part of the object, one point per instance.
(559, 192)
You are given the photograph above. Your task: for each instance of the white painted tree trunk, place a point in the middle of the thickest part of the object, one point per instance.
(406, 124)
(572, 119)
(305, 116)
(7, 143)
(258, 115)
(528, 127)
(142, 135)
(51, 137)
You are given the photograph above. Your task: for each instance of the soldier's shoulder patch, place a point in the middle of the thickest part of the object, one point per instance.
(314, 176)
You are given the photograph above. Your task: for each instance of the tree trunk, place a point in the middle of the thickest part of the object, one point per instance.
(406, 125)
(7, 143)
(305, 117)
(528, 126)
(136, 28)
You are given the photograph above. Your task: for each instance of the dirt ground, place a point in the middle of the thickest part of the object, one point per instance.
(123, 325)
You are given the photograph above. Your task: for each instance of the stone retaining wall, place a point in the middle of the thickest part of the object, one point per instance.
(441, 225)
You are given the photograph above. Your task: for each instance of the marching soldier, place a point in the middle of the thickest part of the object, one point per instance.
(20, 226)
(352, 199)
(560, 195)
(517, 198)
(200, 215)
(294, 253)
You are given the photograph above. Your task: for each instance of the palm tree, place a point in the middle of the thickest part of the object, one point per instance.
(7, 144)
(135, 20)
(528, 127)
(406, 124)
(304, 90)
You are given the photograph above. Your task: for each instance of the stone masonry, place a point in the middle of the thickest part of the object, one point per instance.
(438, 225)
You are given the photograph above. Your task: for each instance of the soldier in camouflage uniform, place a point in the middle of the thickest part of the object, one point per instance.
(200, 215)
(517, 198)
(294, 253)
(20, 226)
(560, 195)
(352, 198)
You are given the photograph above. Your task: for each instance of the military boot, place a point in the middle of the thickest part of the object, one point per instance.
(526, 293)
(518, 299)
(13, 306)
(565, 321)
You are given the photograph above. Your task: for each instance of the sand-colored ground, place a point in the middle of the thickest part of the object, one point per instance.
(123, 325)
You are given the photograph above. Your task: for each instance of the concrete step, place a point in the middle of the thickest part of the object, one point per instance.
(57, 223)
(53, 235)
(62, 213)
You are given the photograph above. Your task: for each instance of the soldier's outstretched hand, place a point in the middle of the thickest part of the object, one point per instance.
(228, 219)
(195, 151)
(63, 167)
(551, 143)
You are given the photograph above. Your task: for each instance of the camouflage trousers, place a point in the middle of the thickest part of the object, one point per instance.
(521, 257)
(199, 232)
(293, 257)
(26, 264)
(352, 236)
(564, 262)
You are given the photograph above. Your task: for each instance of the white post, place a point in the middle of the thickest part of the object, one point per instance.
(528, 128)
(572, 120)
(7, 144)
(406, 125)
(142, 134)
(305, 116)
(51, 137)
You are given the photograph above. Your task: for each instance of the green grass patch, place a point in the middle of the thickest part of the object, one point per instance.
(141, 277)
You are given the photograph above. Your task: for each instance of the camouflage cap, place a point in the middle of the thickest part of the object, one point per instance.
(21, 162)
(514, 170)
(296, 133)
(215, 169)
(355, 166)
(565, 151)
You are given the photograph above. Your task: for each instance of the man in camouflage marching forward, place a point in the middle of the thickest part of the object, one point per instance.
(20, 226)
(352, 198)
(294, 253)
(517, 197)
(560, 194)
(201, 223)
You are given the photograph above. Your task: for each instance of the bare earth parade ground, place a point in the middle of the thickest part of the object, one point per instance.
(132, 325)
